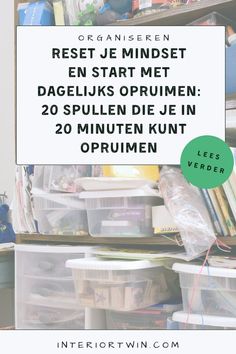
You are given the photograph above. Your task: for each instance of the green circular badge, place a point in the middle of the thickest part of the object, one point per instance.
(207, 161)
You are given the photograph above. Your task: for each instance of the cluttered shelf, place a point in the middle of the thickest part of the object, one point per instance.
(83, 240)
(126, 13)
(181, 15)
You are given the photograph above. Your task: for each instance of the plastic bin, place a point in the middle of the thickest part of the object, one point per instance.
(150, 318)
(44, 288)
(58, 213)
(47, 262)
(211, 292)
(120, 285)
(120, 213)
(194, 321)
(60, 178)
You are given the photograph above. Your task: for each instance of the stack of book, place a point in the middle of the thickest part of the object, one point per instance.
(221, 204)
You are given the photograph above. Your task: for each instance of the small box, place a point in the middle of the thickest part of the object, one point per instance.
(162, 220)
(117, 297)
(138, 5)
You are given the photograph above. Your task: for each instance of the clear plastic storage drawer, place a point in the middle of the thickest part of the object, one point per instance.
(120, 213)
(120, 285)
(58, 213)
(47, 261)
(42, 317)
(44, 288)
(207, 290)
(60, 178)
(195, 321)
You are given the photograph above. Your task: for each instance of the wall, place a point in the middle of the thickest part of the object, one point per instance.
(7, 139)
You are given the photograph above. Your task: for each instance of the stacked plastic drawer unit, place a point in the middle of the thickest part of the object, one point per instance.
(57, 205)
(209, 297)
(44, 288)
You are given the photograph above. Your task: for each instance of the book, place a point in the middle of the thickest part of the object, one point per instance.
(224, 206)
(212, 212)
(218, 212)
(222, 262)
(231, 198)
(232, 181)
(139, 254)
(59, 15)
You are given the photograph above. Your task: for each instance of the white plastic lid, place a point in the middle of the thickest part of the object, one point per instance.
(210, 271)
(54, 249)
(204, 320)
(71, 200)
(113, 183)
(121, 193)
(101, 264)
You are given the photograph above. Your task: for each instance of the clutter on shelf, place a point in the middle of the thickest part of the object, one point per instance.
(124, 201)
(102, 12)
(154, 317)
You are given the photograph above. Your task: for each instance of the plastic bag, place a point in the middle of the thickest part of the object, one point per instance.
(188, 211)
